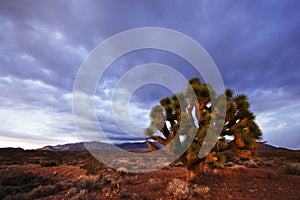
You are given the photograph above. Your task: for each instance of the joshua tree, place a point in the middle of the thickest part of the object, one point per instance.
(189, 121)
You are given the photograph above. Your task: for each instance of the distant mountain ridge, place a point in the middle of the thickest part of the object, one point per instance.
(140, 147)
(64, 147)
(128, 146)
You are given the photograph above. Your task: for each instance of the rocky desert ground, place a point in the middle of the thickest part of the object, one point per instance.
(75, 174)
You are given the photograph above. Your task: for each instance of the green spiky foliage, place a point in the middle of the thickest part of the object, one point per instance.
(241, 125)
(189, 114)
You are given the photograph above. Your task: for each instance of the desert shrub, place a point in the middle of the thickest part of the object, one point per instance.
(33, 162)
(184, 190)
(20, 184)
(19, 178)
(92, 166)
(200, 190)
(130, 179)
(126, 195)
(9, 190)
(179, 189)
(48, 164)
(18, 196)
(292, 169)
(45, 181)
(17, 183)
(60, 161)
(111, 181)
(88, 183)
(47, 190)
(108, 182)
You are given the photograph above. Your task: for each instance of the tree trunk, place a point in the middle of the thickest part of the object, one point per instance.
(195, 169)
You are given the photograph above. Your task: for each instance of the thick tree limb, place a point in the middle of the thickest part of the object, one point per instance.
(159, 139)
(152, 146)
(165, 131)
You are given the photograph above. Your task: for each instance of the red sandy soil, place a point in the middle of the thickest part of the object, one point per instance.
(269, 180)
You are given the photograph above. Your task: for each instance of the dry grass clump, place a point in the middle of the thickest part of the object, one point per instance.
(48, 164)
(92, 166)
(179, 189)
(34, 193)
(183, 190)
(200, 190)
(45, 190)
(291, 169)
(18, 178)
(89, 183)
(17, 182)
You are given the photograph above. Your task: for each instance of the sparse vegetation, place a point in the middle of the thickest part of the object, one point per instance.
(291, 169)
(236, 180)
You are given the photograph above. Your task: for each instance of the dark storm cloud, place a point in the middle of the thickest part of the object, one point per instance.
(256, 46)
(32, 29)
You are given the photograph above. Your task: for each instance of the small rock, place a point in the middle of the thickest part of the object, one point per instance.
(122, 170)
(238, 168)
(152, 181)
(229, 164)
(253, 190)
(251, 164)
(239, 162)
(179, 164)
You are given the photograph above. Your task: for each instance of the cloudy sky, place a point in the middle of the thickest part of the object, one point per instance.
(256, 46)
